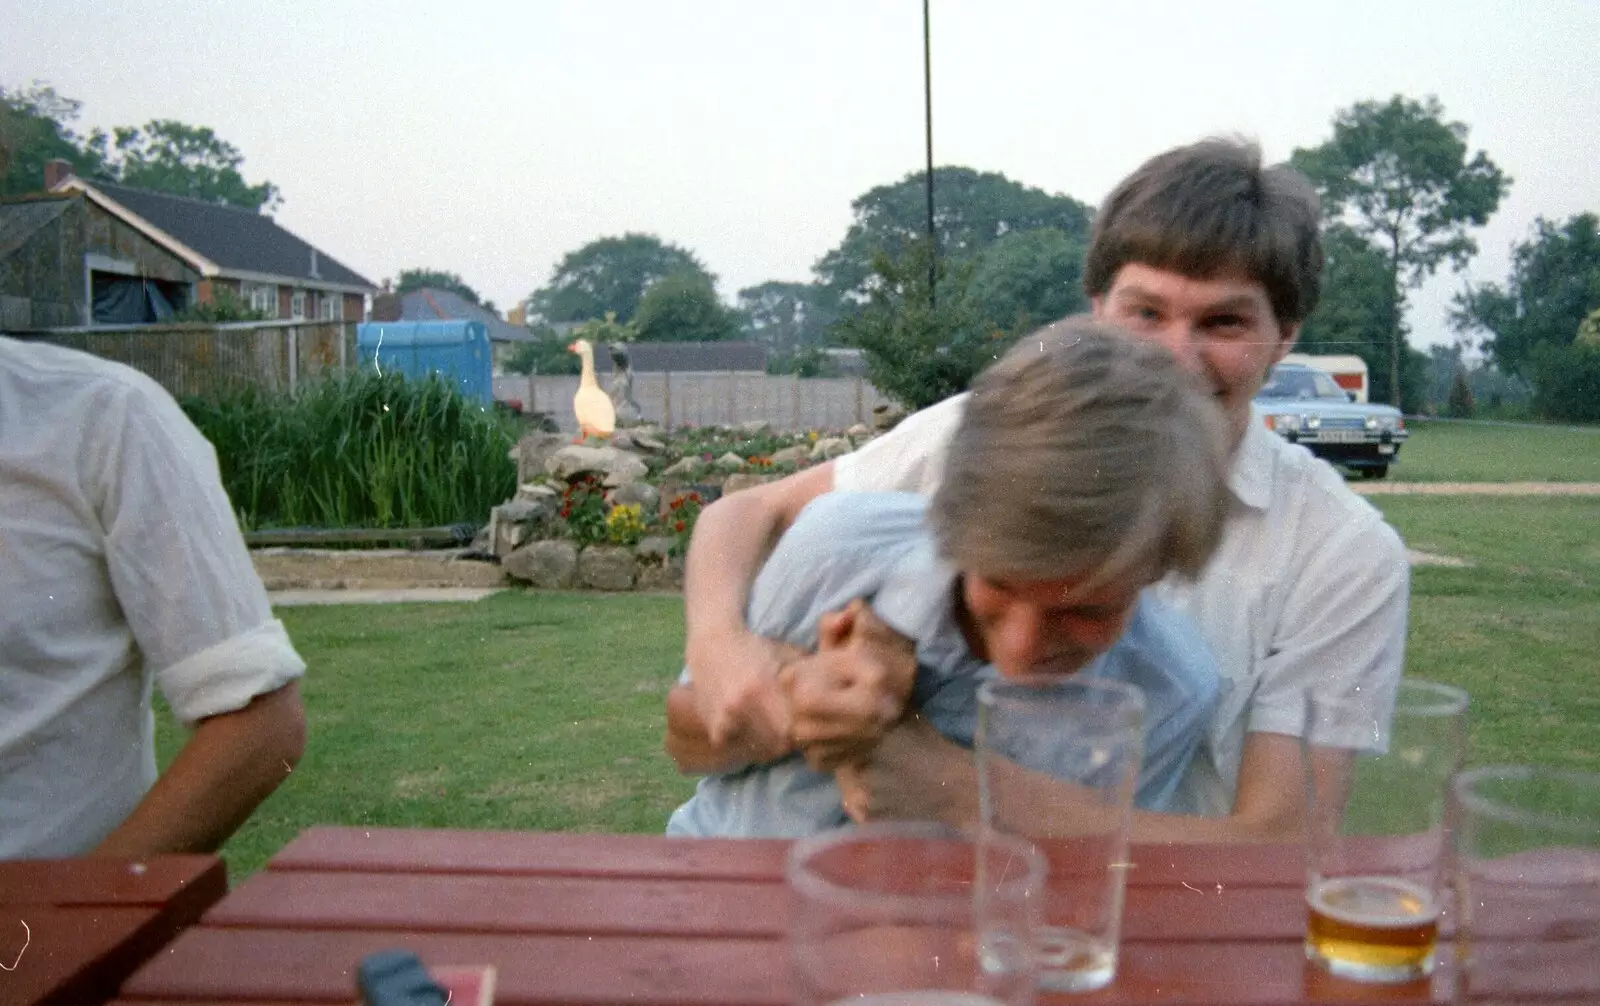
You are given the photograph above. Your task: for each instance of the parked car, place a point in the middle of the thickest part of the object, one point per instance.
(1304, 406)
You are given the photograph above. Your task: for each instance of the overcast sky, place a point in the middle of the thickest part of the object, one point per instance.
(489, 139)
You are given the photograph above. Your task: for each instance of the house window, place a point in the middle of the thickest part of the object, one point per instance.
(331, 307)
(297, 305)
(262, 297)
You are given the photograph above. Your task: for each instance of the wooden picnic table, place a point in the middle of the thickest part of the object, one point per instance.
(574, 918)
(72, 929)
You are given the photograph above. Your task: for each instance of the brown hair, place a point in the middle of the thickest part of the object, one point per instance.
(1083, 451)
(1209, 209)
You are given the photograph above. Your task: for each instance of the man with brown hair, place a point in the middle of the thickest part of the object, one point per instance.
(1205, 251)
(1085, 466)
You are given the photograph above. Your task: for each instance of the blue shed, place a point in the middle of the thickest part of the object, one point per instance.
(455, 349)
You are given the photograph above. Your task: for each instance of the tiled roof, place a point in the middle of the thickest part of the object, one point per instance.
(687, 357)
(431, 304)
(235, 239)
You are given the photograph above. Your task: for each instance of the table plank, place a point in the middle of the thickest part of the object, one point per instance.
(614, 906)
(68, 955)
(425, 850)
(240, 965)
(319, 966)
(91, 881)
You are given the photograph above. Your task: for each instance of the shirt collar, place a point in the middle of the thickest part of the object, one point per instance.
(1250, 474)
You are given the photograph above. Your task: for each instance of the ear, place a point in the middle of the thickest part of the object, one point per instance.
(1286, 342)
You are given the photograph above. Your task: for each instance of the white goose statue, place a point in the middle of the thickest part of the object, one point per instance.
(597, 417)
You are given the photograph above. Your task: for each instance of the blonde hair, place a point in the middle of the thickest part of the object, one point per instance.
(1084, 450)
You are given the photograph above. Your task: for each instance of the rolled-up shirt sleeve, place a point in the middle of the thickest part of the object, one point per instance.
(179, 565)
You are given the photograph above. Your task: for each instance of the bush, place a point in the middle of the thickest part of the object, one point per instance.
(365, 450)
(1460, 404)
(1566, 382)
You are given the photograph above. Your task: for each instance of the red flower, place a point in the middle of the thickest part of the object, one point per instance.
(694, 498)
(679, 526)
(566, 512)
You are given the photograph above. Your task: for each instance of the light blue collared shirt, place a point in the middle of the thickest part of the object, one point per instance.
(848, 545)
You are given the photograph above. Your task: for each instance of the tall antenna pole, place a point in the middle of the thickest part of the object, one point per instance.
(927, 102)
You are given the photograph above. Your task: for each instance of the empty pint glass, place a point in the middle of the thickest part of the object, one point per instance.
(1376, 851)
(1058, 760)
(895, 913)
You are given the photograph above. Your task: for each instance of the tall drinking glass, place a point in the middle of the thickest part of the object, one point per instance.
(1058, 760)
(912, 912)
(1376, 850)
(1527, 843)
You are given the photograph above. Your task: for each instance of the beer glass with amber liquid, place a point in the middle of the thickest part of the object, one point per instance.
(1377, 785)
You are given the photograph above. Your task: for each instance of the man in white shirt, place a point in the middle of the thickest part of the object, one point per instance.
(1207, 252)
(122, 567)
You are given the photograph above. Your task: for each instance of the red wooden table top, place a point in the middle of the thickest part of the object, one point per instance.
(648, 920)
(72, 929)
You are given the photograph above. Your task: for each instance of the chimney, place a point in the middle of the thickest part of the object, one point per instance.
(55, 172)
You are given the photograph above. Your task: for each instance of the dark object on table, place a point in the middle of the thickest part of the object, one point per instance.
(397, 978)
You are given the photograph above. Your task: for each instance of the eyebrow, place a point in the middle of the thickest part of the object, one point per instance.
(1238, 302)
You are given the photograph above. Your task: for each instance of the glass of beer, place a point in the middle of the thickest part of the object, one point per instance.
(1527, 873)
(913, 912)
(1377, 790)
(1058, 760)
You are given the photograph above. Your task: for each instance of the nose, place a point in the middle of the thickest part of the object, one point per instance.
(1182, 341)
(1016, 643)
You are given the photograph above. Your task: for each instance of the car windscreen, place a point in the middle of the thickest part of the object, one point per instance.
(1286, 383)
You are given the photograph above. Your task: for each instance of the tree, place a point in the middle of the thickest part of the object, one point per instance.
(1352, 316)
(419, 279)
(787, 317)
(1554, 283)
(972, 210)
(1398, 176)
(610, 274)
(169, 156)
(1029, 278)
(1460, 403)
(917, 352)
(35, 127)
(684, 307)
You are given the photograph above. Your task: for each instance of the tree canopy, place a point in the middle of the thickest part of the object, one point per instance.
(1553, 286)
(683, 307)
(921, 349)
(1399, 177)
(972, 211)
(610, 274)
(787, 317)
(436, 279)
(163, 155)
(1027, 279)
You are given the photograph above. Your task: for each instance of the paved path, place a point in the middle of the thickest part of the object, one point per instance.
(402, 595)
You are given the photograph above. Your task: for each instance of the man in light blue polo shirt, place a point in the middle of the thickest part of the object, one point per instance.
(1087, 467)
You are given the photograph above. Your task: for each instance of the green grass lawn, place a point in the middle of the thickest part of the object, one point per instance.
(1440, 451)
(544, 710)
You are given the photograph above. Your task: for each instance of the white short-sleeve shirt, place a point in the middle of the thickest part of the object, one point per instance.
(121, 567)
(1309, 586)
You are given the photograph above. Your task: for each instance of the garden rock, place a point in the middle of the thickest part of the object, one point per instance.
(755, 427)
(646, 442)
(829, 447)
(549, 564)
(666, 576)
(742, 480)
(531, 453)
(536, 492)
(607, 567)
(653, 549)
(513, 524)
(791, 455)
(640, 494)
(684, 466)
(730, 462)
(858, 430)
(886, 416)
(617, 466)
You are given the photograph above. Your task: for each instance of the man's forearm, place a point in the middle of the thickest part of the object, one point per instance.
(688, 741)
(230, 764)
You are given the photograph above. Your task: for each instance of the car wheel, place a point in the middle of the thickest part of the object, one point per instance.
(1375, 472)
